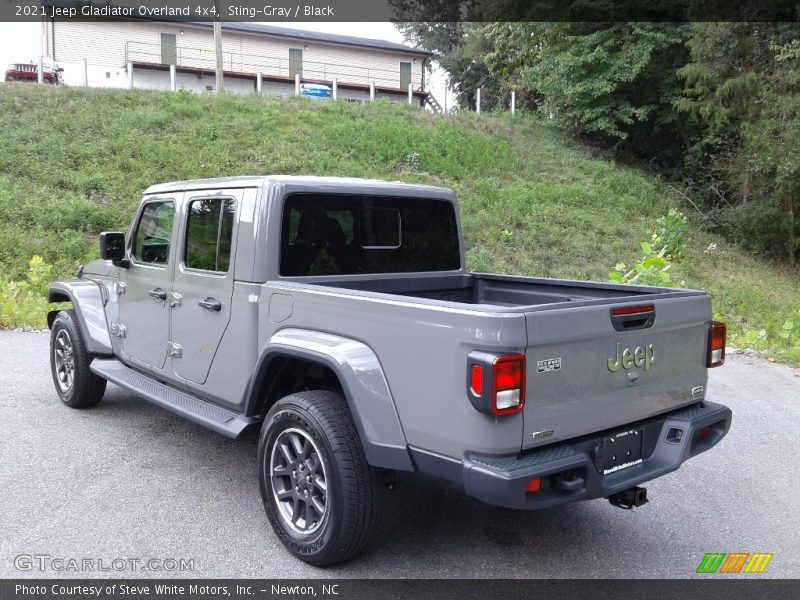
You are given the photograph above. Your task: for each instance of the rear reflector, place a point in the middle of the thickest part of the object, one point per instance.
(703, 433)
(476, 380)
(533, 485)
(715, 356)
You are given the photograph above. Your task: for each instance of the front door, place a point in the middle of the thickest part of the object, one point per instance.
(203, 283)
(143, 307)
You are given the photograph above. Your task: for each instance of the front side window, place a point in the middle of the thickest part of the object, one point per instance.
(153, 233)
(209, 232)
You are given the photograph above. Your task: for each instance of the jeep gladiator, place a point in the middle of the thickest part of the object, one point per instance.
(337, 317)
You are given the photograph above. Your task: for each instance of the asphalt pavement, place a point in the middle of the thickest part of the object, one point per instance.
(129, 482)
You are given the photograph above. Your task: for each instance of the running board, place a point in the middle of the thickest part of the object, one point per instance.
(221, 420)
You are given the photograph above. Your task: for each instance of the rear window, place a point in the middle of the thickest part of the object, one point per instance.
(332, 234)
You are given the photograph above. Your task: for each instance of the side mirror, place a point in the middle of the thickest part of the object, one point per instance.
(60, 69)
(112, 247)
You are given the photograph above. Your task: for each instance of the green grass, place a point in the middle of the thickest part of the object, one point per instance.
(74, 162)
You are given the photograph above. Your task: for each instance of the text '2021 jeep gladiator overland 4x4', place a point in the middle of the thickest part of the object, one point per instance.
(337, 315)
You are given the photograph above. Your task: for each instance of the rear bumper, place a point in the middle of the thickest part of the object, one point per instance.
(568, 471)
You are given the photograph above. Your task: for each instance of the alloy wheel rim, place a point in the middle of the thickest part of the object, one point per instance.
(299, 481)
(64, 360)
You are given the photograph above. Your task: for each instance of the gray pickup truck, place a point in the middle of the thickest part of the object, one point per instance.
(337, 317)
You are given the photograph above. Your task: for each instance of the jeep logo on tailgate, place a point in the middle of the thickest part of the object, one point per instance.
(627, 358)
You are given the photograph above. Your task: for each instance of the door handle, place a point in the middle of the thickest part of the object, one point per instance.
(210, 304)
(158, 295)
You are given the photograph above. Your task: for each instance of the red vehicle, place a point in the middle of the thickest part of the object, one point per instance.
(29, 71)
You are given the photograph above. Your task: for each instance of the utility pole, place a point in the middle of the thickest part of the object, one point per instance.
(218, 49)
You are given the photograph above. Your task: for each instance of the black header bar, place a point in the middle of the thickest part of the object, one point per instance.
(293, 11)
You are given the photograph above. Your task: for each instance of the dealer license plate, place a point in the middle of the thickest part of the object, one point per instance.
(620, 451)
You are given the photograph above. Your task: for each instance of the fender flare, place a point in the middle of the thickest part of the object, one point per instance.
(88, 302)
(363, 383)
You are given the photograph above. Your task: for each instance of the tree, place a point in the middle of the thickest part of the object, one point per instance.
(773, 141)
(442, 27)
(742, 83)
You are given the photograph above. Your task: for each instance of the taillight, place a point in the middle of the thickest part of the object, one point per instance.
(715, 356)
(508, 384)
(496, 383)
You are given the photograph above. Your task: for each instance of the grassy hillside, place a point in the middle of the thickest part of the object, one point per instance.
(74, 162)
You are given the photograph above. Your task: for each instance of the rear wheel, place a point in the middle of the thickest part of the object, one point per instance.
(75, 384)
(320, 494)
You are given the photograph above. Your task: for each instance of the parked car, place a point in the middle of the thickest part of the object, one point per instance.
(29, 71)
(315, 91)
(337, 317)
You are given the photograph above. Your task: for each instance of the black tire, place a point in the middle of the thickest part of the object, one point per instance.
(351, 500)
(75, 384)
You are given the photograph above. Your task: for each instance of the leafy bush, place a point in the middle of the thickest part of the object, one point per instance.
(668, 243)
(670, 233)
(24, 303)
(781, 338)
(652, 269)
(789, 337)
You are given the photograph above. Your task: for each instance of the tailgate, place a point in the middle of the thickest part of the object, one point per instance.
(581, 380)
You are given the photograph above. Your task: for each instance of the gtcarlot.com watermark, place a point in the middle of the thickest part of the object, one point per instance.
(64, 564)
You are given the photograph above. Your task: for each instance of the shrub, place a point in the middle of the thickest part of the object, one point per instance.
(652, 269)
(24, 303)
(762, 228)
(670, 233)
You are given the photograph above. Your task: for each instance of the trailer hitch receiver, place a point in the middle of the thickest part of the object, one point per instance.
(627, 499)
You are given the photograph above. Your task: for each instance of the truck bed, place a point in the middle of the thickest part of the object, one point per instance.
(571, 338)
(521, 293)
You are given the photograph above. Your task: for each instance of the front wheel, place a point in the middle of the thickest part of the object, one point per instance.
(320, 494)
(75, 384)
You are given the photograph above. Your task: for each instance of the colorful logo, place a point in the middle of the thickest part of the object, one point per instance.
(735, 562)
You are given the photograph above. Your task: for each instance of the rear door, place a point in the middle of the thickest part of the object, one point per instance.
(203, 281)
(584, 375)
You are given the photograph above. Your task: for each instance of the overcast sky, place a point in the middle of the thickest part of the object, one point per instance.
(21, 42)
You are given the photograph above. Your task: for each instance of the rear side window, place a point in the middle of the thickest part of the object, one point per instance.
(153, 233)
(332, 234)
(209, 231)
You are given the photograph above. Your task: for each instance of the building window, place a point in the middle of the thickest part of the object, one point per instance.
(405, 75)
(169, 49)
(295, 62)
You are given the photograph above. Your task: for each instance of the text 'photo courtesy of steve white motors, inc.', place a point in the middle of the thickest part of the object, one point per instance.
(133, 588)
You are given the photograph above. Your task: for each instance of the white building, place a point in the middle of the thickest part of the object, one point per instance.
(278, 54)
